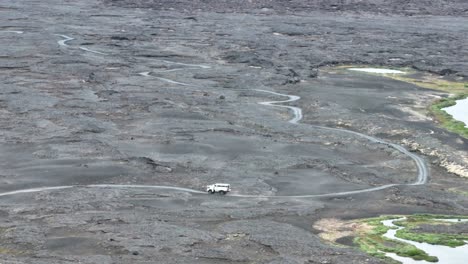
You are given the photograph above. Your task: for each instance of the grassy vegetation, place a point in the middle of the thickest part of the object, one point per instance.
(447, 120)
(451, 240)
(434, 83)
(458, 191)
(376, 245)
(416, 219)
(373, 242)
(435, 239)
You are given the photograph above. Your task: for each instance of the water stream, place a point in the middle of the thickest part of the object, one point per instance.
(459, 111)
(445, 254)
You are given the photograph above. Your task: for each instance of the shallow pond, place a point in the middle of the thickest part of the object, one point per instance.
(459, 111)
(377, 70)
(446, 255)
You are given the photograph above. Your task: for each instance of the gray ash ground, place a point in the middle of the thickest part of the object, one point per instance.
(69, 116)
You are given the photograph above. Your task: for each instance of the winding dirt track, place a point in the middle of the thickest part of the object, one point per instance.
(63, 41)
(423, 172)
(12, 31)
(422, 176)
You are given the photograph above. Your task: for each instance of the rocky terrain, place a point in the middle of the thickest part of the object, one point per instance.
(109, 100)
(400, 7)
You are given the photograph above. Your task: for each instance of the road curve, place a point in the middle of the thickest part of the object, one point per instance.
(423, 172)
(63, 41)
(297, 112)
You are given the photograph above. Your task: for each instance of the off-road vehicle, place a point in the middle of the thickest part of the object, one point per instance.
(221, 188)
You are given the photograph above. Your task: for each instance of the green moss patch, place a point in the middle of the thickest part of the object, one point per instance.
(447, 120)
(435, 239)
(373, 242)
(459, 191)
(412, 222)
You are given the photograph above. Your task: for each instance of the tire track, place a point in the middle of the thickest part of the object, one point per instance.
(423, 172)
(187, 64)
(92, 51)
(66, 38)
(12, 31)
(191, 67)
(101, 186)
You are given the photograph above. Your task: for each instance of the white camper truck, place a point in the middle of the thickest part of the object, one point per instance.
(221, 188)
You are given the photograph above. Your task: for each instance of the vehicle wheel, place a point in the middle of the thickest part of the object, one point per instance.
(211, 192)
(222, 192)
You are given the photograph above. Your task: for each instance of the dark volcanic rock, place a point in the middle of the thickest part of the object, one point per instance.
(250, 58)
(120, 106)
(407, 7)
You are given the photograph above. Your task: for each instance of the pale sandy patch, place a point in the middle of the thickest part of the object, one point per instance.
(377, 70)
